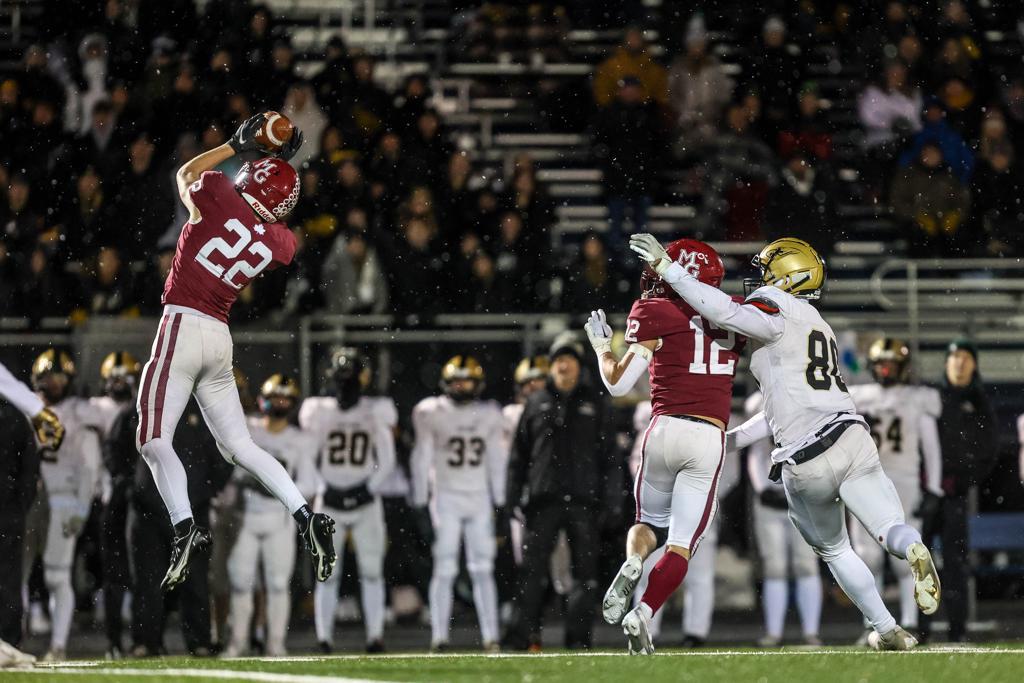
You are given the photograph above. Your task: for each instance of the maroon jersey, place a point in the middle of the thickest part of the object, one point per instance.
(693, 369)
(229, 246)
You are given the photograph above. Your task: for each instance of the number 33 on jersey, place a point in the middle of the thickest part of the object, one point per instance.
(224, 251)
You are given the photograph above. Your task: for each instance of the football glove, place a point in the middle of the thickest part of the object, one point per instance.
(347, 499)
(73, 526)
(598, 332)
(774, 497)
(650, 250)
(289, 148)
(49, 430)
(244, 139)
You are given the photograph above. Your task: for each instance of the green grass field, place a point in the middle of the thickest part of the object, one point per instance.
(989, 664)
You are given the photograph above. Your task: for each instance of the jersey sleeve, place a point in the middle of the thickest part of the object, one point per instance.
(386, 411)
(206, 192)
(931, 402)
(18, 393)
(651, 319)
(283, 244)
(422, 452)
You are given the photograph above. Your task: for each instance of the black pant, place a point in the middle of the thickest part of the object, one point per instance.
(12, 541)
(116, 574)
(152, 538)
(950, 524)
(543, 522)
(407, 562)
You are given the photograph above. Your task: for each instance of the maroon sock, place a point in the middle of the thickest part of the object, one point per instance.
(664, 580)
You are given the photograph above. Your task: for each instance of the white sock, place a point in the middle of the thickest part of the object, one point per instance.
(908, 606)
(270, 473)
(440, 607)
(808, 603)
(775, 599)
(854, 577)
(485, 598)
(278, 610)
(62, 606)
(372, 594)
(241, 618)
(899, 538)
(169, 477)
(325, 601)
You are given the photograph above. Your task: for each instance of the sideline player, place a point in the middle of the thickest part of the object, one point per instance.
(232, 235)
(266, 536)
(49, 430)
(355, 437)
(783, 553)
(692, 364)
(825, 455)
(903, 421)
(70, 474)
(459, 456)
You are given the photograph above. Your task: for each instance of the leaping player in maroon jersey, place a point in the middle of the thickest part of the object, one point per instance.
(692, 365)
(234, 232)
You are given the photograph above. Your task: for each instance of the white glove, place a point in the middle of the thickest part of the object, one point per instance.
(598, 332)
(650, 250)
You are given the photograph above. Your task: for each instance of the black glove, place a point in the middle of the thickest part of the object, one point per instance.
(774, 497)
(244, 139)
(347, 499)
(929, 505)
(289, 148)
(424, 526)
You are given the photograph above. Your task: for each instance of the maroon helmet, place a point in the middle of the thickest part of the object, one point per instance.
(270, 186)
(696, 258)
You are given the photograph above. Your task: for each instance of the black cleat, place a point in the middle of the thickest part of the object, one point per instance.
(375, 647)
(319, 538)
(195, 541)
(325, 647)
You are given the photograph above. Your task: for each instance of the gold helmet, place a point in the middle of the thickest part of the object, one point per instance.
(278, 386)
(462, 367)
(792, 265)
(49, 363)
(885, 351)
(531, 368)
(120, 374)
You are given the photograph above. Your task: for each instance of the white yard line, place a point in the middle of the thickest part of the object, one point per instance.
(91, 669)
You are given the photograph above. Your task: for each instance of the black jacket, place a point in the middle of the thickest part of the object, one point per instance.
(967, 433)
(19, 463)
(564, 449)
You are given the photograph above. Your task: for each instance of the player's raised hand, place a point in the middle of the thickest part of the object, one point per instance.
(599, 332)
(244, 139)
(289, 148)
(48, 428)
(650, 250)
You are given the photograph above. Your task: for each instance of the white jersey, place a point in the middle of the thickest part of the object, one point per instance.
(902, 419)
(295, 449)
(799, 374)
(511, 414)
(104, 411)
(356, 446)
(72, 471)
(460, 447)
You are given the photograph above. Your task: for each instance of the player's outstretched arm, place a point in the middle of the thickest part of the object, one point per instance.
(18, 393)
(754, 429)
(618, 375)
(712, 303)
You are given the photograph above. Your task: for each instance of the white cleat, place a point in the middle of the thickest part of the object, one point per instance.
(896, 639)
(617, 598)
(927, 589)
(55, 654)
(11, 656)
(638, 634)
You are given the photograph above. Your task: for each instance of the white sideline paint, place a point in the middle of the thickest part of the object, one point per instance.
(92, 669)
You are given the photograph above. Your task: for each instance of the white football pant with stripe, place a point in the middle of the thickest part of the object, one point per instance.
(192, 355)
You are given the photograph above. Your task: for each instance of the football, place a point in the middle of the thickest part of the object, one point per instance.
(275, 131)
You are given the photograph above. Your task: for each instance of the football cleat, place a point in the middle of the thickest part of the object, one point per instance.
(440, 647)
(617, 598)
(638, 634)
(319, 538)
(55, 654)
(896, 639)
(767, 641)
(197, 540)
(492, 647)
(927, 589)
(375, 647)
(11, 656)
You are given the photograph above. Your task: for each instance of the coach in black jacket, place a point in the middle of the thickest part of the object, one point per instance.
(562, 475)
(19, 476)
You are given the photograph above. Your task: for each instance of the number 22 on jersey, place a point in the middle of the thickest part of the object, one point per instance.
(231, 252)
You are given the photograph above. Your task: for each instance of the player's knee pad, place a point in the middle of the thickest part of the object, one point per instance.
(55, 577)
(774, 565)
(660, 533)
(446, 567)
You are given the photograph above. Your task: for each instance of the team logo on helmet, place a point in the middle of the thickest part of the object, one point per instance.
(270, 186)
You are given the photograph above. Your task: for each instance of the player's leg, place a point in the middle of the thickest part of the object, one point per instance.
(652, 492)
(699, 595)
(654, 625)
(370, 537)
(478, 533)
(58, 557)
(869, 550)
(448, 533)
(910, 495)
(325, 593)
(804, 566)
(242, 563)
(873, 499)
(222, 411)
(278, 555)
(770, 535)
